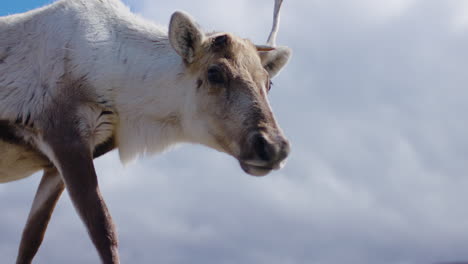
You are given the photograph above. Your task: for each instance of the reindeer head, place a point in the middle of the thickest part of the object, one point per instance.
(231, 79)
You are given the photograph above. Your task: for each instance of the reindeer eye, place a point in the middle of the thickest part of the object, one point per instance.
(215, 75)
(270, 83)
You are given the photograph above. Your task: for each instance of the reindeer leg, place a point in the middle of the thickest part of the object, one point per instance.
(47, 195)
(74, 160)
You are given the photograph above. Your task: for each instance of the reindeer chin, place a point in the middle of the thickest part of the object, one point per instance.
(255, 170)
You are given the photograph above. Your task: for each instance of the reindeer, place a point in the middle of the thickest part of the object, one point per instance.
(79, 78)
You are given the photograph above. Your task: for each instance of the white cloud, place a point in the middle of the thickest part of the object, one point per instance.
(380, 9)
(460, 19)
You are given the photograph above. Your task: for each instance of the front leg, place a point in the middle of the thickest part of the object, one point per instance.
(72, 156)
(47, 195)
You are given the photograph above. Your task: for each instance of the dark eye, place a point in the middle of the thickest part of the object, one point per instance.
(270, 83)
(215, 75)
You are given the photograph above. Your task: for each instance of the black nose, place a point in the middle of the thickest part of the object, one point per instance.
(262, 148)
(270, 151)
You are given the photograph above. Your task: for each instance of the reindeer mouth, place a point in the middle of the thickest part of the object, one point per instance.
(258, 168)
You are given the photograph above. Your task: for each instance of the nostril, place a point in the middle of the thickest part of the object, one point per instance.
(261, 148)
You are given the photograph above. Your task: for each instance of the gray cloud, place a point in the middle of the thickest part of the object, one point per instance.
(373, 102)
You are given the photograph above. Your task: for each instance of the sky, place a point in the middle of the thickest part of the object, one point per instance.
(373, 102)
(20, 6)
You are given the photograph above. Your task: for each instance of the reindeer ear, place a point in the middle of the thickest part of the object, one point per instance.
(184, 35)
(275, 59)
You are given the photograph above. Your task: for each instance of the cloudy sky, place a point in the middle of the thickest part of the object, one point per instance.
(374, 102)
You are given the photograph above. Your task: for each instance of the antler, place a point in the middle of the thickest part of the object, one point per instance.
(276, 20)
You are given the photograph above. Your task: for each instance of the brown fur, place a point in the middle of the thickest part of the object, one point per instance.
(67, 138)
(37, 222)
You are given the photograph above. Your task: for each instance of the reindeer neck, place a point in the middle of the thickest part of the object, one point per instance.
(149, 86)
